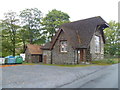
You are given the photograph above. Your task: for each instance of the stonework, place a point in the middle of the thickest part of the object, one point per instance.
(32, 58)
(47, 56)
(62, 57)
(94, 55)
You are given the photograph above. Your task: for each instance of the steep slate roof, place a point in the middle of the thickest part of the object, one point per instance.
(79, 33)
(34, 49)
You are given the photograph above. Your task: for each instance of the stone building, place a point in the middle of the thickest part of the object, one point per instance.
(33, 53)
(76, 42)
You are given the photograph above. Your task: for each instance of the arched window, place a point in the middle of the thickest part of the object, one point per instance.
(63, 46)
(97, 44)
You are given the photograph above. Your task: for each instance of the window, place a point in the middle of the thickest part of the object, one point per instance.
(63, 46)
(97, 44)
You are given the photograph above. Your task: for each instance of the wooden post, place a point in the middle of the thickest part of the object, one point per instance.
(45, 59)
(81, 55)
(84, 52)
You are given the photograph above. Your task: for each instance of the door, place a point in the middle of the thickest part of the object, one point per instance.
(40, 58)
(81, 55)
(45, 59)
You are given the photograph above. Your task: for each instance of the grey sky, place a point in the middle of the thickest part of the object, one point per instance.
(77, 9)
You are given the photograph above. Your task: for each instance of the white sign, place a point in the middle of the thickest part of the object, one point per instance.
(2, 60)
(23, 56)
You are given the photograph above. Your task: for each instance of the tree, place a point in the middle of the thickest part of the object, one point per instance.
(0, 39)
(112, 40)
(52, 21)
(7, 48)
(31, 20)
(23, 35)
(9, 28)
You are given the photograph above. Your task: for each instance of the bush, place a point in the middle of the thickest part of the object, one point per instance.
(106, 61)
(110, 61)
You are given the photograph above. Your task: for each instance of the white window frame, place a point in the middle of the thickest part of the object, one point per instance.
(97, 44)
(63, 46)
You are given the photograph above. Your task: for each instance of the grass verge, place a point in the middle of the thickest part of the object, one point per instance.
(93, 63)
(108, 61)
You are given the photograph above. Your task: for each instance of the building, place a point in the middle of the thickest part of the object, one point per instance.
(76, 42)
(33, 53)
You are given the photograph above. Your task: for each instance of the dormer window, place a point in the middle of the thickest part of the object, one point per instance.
(63, 46)
(97, 44)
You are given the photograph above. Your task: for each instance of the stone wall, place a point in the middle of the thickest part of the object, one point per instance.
(88, 55)
(63, 57)
(94, 55)
(35, 58)
(47, 54)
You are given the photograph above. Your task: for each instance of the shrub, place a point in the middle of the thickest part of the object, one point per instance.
(106, 61)
(111, 61)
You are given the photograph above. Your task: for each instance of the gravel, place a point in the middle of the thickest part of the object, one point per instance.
(43, 76)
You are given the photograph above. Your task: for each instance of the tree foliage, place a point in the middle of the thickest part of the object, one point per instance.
(31, 19)
(23, 35)
(112, 40)
(28, 28)
(9, 29)
(52, 21)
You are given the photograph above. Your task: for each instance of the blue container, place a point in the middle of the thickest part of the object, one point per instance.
(9, 60)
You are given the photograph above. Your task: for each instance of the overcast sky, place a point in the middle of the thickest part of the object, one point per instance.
(76, 9)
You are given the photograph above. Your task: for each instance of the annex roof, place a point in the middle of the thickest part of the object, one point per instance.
(34, 49)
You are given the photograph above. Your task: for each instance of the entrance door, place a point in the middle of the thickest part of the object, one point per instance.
(45, 59)
(81, 55)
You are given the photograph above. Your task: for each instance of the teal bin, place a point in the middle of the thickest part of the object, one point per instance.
(18, 59)
(9, 60)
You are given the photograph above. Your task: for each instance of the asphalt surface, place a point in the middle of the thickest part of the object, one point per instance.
(105, 78)
(0, 78)
(44, 76)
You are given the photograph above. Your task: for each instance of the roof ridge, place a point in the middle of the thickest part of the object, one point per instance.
(83, 20)
(87, 18)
